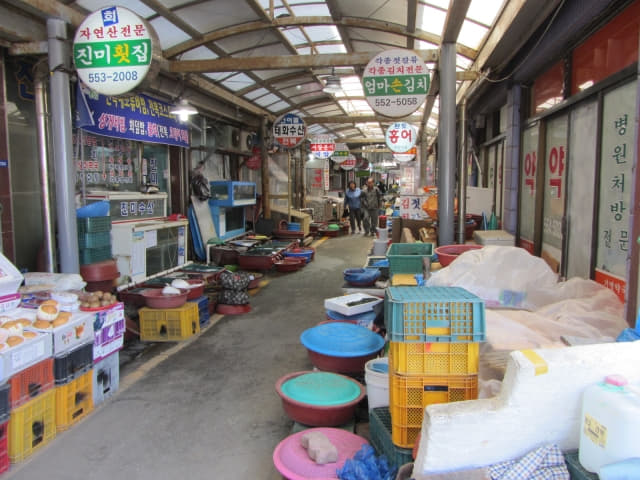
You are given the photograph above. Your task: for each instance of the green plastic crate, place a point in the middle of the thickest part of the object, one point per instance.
(380, 436)
(407, 257)
(94, 224)
(434, 314)
(93, 255)
(94, 239)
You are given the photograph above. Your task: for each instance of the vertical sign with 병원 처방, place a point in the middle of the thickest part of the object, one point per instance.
(113, 50)
(616, 173)
(322, 146)
(289, 130)
(326, 173)
(400, 137)
(396, 82)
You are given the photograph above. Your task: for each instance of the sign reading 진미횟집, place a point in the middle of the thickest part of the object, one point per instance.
(113, 50)
(396, 82)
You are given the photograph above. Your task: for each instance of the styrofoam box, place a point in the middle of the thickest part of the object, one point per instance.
(24, 355)
(9, 302)
(109, 324)
(10, 276)
(340, 304)
(493, 237)
(100, 352)
(77, 331)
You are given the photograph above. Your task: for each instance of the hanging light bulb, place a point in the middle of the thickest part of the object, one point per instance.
(183, 109)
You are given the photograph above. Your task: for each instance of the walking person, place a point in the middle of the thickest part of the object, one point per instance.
(352, 201)
(371, 201)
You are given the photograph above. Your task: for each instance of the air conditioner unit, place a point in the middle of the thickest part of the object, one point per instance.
(247, 141)
(223, 137)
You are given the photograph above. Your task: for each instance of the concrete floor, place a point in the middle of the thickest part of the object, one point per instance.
(205, 408)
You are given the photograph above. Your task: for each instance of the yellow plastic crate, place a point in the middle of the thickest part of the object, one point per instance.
(74, 401)
(170, 324)
(32, 425)
(406, 279)
(409, 395)
(435, 358)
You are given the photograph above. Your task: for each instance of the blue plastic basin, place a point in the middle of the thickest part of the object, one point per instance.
(321, 388)
(341, 340)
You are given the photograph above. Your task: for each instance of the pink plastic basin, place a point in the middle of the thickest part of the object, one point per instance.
(448, 253)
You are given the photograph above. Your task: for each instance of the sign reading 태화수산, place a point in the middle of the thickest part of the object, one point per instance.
(133, 117)
(396, 82)
(289, 130)
(113, 50)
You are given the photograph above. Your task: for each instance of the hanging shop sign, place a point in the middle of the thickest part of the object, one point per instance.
(134, 117)
(113, 50)
(400, 137)
(326, 173)
(341, 153)
(405, 156)
(349, 163)
(323, 146)
(396, 82)
(289, 130)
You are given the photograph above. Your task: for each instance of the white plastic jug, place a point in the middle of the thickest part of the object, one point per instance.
(610, 423)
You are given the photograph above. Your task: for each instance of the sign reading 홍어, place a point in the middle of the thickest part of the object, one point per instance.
(289, 130)
(396, 82)
(341, 153)
(113, 50)
(323, 146)
(400, 137)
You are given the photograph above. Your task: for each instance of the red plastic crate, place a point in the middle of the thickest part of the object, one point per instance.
(4, 447)
(30, 383)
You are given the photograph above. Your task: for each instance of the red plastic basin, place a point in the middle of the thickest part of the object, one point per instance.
(154, 298)
(329, 363)
(448, 253)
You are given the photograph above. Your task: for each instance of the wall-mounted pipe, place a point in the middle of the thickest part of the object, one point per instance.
(462, 174)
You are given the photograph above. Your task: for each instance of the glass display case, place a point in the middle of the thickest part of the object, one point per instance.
(232, 194)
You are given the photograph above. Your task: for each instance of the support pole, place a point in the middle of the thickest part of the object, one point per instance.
(266, 202)
(462, 176)
(43, 154)
(447, 143)
(62, 148)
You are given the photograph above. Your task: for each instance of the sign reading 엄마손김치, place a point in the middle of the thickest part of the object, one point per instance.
(400, 137)
(134, 117)
(289, 130)
(113, 50)
(323, 146)
(396, 82)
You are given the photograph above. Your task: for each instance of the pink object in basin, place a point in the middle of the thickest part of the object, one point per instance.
(293, 462)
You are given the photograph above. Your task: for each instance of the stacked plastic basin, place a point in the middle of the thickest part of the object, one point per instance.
(109, 326)
(434, 335)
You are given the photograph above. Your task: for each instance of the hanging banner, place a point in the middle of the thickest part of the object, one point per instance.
(405, 156)
(323, 146)
(341, 153)
(396, 82)
(349, 163)
(289, 130)
(113, 50)
(134, 117)
(327, 175)
(400, 137)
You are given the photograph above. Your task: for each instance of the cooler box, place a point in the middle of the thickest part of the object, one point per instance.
(494, 237)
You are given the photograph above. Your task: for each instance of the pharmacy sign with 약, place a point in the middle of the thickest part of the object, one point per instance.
(113, 50)
(400, 137)
(396, 82)
(323, 146)
(289, 130)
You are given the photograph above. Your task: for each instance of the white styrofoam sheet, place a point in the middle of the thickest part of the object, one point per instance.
(493, 237)
(341, 304)
(28, 353)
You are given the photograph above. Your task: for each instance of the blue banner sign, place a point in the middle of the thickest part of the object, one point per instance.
(133, 117)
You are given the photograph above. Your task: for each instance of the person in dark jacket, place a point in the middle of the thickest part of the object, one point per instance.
(371, 201)
(352, 201)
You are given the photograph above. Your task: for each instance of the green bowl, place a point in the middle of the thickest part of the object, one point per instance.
(231, 268)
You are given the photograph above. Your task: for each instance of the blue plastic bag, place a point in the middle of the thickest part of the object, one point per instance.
(365, 465)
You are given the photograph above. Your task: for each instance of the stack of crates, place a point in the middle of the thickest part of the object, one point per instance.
(27, 401)
(169, 324)
(94, 239)
(407, 260)
(203, 310)
(109, 326)
(434, 349)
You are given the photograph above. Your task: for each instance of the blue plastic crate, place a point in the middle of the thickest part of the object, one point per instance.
(433, 314)
(380, 436)
(203, 309)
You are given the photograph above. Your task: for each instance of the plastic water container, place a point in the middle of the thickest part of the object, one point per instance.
(610, 423)
(376, 377)
(383, 233)
(379, 247)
